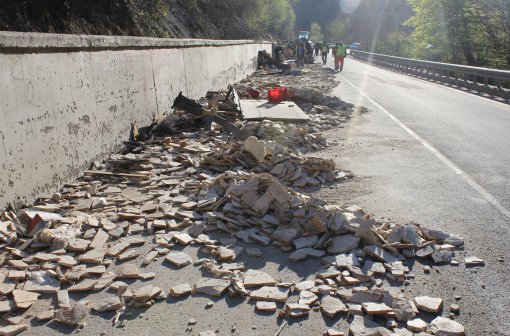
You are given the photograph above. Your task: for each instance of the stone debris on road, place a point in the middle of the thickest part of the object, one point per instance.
(185, 186)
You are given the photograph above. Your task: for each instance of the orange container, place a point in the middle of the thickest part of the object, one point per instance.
(274, 96)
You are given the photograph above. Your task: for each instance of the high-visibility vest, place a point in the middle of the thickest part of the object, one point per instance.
(341, 50)
(325, 48)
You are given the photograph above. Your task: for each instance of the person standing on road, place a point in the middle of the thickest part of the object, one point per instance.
(300, 54)
(325, 51)
(316, 48)
(340, 54)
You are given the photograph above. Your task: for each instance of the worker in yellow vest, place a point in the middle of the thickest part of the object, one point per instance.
(325, 51)
(340, 54)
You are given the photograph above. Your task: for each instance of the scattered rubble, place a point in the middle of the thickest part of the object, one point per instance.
(176, 189)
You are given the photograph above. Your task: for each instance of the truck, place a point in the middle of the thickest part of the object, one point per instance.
(304, 35)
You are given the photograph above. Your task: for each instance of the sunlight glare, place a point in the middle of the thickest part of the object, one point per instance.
(349, 6)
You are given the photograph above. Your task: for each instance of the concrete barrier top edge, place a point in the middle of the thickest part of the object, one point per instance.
(15, 40)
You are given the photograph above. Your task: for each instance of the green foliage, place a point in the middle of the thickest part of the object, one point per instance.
(338, 29)
(316, 32)
(474, 32)
(275, 17)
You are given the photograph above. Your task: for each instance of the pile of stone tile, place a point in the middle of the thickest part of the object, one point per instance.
(176, 190)
(291, 168)
(307, 88)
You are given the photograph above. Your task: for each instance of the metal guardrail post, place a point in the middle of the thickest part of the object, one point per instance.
(495, 82)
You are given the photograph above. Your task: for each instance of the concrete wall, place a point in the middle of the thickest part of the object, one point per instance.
(66, 100)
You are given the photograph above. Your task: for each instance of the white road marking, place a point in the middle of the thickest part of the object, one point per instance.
(468, 179)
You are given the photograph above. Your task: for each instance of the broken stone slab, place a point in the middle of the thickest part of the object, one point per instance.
(225, 254)
(380, 254)
(425, 252)
(304, 253)
(362, 296)
(265, 306)
(74, 316)
(273, 294)
(12, 330)
(7, 288)
(315, 226)
(105, 280)
(304, 285)
(15, 320)
(129, 255)
(339, 222)
(63, 299)
(417, 325)
(6, 306)
(428, 304)
(279, 193)
(446, 238)
(45, 315)
(78, 245)
(307, 298)
(332, 306)
(403, 308)
(443, 256)
(180, 290)
(441, 326)
(20, 264)
(67, 261)
(257, 148)
(474, 261)
(150, 257)
(212, 287)
(82, 286)
(262, 205)
(144, 294)
(374, 308)
(342, 260)
(17, 275)
(95, 256)
(372, 268)
(259, 238)
(343, 244)
(99, 240)
(285, 236)
(361, 326)
(305, 242)
(41, 282)
(45, 257)
(111, 303)
(254, 278)
(23, 299)
(296, 310)
(118, 248)
(179, 259)
(333, 332)
(128, 271)
(182, 238)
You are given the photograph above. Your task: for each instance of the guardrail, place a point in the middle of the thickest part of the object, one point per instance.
(490, 81)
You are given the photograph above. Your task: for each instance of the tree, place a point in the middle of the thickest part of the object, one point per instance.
(316, 32)
(269, 16)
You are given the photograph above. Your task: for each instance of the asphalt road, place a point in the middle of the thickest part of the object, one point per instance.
(422, 153)
(438, 156)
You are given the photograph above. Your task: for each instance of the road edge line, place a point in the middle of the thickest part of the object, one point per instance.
(468, 179)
